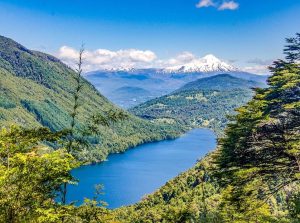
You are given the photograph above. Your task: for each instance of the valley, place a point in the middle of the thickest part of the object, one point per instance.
(37, 91)
(203, 142)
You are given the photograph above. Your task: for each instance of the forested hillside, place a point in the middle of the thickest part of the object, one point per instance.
(203, 103)
(221, 82)
(253, 176)
(38, 90)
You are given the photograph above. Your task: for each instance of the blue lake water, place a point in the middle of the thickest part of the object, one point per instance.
(129, 176)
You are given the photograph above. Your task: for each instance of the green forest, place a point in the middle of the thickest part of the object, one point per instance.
(205, 103)
(252, 176)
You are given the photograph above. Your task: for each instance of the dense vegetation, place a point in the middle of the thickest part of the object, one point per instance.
(253, 176)
(203, 103)
(37, 91)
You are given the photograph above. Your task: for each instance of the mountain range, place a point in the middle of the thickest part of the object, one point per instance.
(156, 82)
(203, 103)
(36, 89)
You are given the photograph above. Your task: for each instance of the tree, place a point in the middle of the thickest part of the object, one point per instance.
(31, 176)
(72, 131)
(79, 137)
(262, 144)
(292, 49)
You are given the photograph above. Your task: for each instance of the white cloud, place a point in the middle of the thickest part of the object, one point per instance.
(257, 69)
(258, 66)
(231, 5)
(205, 3)
(180, 59)
(102, 59)
(226, 5)
(258, 61)
(67, 52)
(107, 59)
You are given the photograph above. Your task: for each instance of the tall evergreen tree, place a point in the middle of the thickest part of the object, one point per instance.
(260, 154)
(292, 49)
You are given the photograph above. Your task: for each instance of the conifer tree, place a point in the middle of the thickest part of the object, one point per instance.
(262, 144)
(292, 49)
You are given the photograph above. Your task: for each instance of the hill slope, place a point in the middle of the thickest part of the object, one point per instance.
(202, 103)
(220, 82)
(36, 90)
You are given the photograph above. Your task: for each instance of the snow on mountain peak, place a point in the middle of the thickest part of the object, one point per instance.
(208, 63)
(211, 57)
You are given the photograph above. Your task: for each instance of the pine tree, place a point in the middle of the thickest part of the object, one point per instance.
(262, 144)
(292, 49)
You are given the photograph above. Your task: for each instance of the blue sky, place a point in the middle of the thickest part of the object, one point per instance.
(248, 33)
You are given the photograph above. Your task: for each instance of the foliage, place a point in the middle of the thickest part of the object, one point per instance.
(260, 153)
(264, 140)
(30, 176)
(292, 48)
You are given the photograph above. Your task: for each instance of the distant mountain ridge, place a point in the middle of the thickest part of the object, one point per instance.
(133, 90)
(220, 82)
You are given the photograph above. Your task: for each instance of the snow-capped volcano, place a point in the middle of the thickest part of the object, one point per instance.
(209, 63)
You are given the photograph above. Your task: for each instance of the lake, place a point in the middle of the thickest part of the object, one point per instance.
(129, 176)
